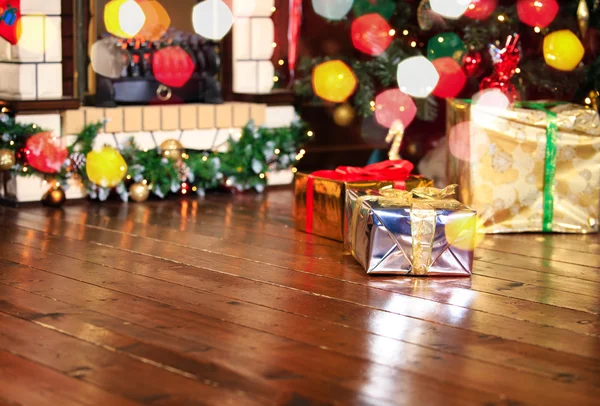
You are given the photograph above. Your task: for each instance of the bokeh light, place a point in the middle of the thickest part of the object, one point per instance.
(537, 13)
(417, 76)
(447, 44)
(333, 81)
(212, 19)
(465, 233)
(563, 50)
(157, 20)
(452, 78)
(459, 141)
(108, 59)
(490, 98)
(172, 66)
(124, 18)
(450, 8)
(392, 105)
(481, 9)
(332, 9)
(371, 34)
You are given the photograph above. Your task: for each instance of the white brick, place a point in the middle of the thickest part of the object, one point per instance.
(49, 122)
(5, 51)
(30, 47)
(53, 39)
(49, 80)
(143, 140)
(263, 36)
(245, 79)
(198, 139)
(253, 8)
(265, 74)
(104, 139)
(17, 81)
(161, 136)
(279, 116)
(75, 189)
(40, 7)
(241, 39)
(220, 144)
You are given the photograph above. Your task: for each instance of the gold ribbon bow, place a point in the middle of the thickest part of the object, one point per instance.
(423, 202)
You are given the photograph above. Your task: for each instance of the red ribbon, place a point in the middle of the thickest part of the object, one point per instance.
(394, 171)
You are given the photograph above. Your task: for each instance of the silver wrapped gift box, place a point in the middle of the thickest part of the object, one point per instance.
(421, 233)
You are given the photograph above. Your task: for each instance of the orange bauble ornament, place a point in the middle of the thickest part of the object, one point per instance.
(333, 81)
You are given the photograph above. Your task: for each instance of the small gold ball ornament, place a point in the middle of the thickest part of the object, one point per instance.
(172, 149)
(55, 197)
(139, 192)
(7, 159)
(343, 115)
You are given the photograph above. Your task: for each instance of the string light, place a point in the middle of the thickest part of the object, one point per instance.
(310, 133)
(229, 182)
(145, 149)
(4, 109)
(34, 126)
(518, 70)
(405, 32)
(274, 44)
(262, 175)
(273, 9)
(413, 44)
(501, 18)
(277, 151)
(588, 100)
(12, 142)
(392, 32)
(281, 62)
(145, 182)
(275, 79)
(294, 169)
(24, 169)
(194, 188)
(128, 176)
(537, 29)
(205, 158)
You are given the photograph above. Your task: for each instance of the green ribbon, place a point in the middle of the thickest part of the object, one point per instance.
(550, 163)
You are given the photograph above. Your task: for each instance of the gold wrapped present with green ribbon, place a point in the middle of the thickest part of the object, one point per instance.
(423, 232)
(531, 167)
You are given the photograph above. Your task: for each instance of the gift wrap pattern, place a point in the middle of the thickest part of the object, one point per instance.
(420, 233)
(519, 182)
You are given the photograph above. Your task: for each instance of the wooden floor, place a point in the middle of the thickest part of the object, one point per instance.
(221, 302)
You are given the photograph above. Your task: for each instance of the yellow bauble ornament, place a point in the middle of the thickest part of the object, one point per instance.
(139, 192)
(105, 168)
(563, 50)
(343, 115)
(171, 149)
(7, 159)
(333, 81)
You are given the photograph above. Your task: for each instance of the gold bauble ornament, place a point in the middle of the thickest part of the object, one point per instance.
(7, 159)
(139, 192)
(55, 197)
(172, 149)
(343, 115)
(106, 168)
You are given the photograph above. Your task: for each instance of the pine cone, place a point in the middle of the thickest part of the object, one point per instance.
(77, 161)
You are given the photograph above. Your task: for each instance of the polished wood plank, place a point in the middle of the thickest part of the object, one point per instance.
(224, 293)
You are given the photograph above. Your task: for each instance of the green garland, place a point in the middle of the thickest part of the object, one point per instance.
(244, 166)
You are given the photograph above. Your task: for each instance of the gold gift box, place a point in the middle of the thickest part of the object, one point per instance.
(330, 199)
(499, 161)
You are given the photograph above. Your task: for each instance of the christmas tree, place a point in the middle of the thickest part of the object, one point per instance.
(556, 41)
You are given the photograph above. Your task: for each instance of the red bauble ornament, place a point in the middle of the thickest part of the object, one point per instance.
(172, 66)
(472, 63)
(537, 13)
(481, 9)
(371, 34)
(452, 78)
(44, 153)
(505, 61)
(392, 105)
(10, 20)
